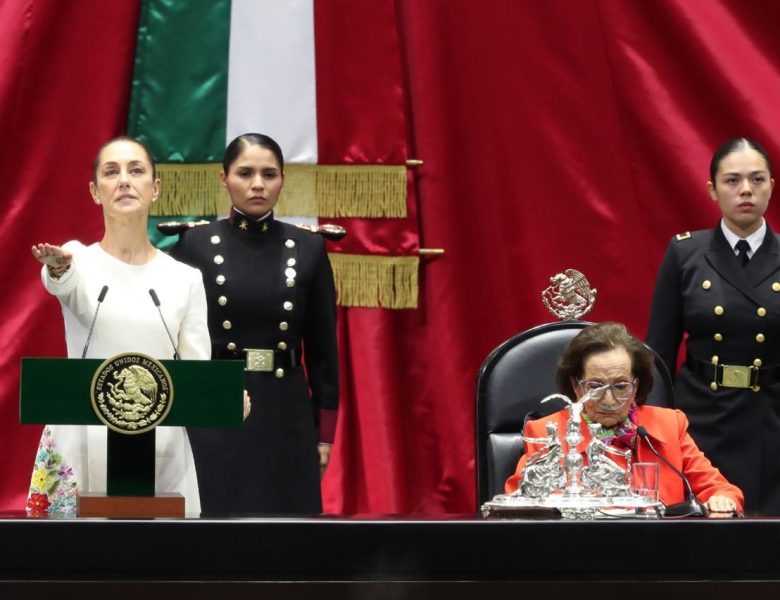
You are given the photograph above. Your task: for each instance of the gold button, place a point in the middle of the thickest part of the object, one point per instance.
(215, 239)
(756, 388)
(218, 260)
(279, 373)
(758, 362)
(231, 346)
(283, 326)
(706, 284)
(718, 310)
(287, 305)
(714, 386)
(290, 243)
(281, 346)
(222, 300)
(776, 287)
(220, 279)
(714, 359)
(226, 324)
(760, 338)
(290, 282)
(290, 273)
(761, 312)
(290, 262)
(718, 337)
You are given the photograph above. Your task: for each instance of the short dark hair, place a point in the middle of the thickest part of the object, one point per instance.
(733, 145)
(245, 140)
(123, 138)
(604, 337)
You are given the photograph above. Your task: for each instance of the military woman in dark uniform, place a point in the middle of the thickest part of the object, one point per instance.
(271, 303)
(721, 287)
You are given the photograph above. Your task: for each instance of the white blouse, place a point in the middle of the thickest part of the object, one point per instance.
(128, 321)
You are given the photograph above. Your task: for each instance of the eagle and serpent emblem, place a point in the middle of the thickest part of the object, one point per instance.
(570, 295)
(131, 393)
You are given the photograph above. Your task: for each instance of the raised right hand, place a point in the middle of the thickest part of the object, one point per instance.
(51, 255)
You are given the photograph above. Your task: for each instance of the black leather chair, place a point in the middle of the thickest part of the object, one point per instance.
(512, 381)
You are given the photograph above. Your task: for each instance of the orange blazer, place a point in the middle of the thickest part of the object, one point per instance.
(668, 431)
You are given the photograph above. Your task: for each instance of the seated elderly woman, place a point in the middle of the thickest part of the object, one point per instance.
(612, 371)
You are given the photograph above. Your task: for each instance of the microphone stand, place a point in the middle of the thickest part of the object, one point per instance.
(156, 300)
(690, 507)
(101, 297)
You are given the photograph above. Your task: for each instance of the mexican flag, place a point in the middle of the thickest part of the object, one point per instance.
(324, 79)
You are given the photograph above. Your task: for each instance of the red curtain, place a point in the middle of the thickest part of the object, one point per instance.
(64, 85)
(563, 134)
(555, 135)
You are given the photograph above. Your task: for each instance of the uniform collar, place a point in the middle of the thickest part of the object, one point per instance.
(243, 223)
(720, 256)
(755, 239)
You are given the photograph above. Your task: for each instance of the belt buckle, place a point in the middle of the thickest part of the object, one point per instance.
(259, 359)
(735, 376)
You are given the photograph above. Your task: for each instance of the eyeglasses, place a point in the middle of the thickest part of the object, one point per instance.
(621, 390)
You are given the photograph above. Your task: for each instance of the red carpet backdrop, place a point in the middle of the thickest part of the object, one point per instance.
(565, 134)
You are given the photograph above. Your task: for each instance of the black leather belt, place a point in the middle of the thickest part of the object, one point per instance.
(263, 359)
(733, 376)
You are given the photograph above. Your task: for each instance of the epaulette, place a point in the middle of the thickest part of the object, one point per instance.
(174, 227)
(327, 230)
(683, 236)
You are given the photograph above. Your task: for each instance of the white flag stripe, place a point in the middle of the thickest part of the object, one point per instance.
(271, 75)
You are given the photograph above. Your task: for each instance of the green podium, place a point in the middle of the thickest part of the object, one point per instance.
(202, 393)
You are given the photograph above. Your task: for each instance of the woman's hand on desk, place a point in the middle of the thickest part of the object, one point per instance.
(721, 507)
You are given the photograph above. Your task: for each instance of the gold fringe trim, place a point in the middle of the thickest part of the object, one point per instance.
(369, 191)
(190, 189)
(299, 194)
(376, 281)
(360, 191)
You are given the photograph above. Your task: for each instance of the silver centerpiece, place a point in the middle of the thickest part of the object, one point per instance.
(569, 296)
(544, 469)
(556, 479)
(602, 473)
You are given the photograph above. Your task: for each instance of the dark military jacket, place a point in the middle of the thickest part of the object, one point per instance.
(731, 316)
(271, 301)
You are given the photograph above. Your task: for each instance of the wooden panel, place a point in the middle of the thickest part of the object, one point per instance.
(132, 507)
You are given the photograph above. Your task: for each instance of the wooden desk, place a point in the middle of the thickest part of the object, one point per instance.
(387, 558)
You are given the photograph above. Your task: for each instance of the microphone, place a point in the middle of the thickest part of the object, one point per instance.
(156, 301)
(101, 297)
(691, 507)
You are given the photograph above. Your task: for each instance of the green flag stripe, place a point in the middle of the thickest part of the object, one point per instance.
(178, 105)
